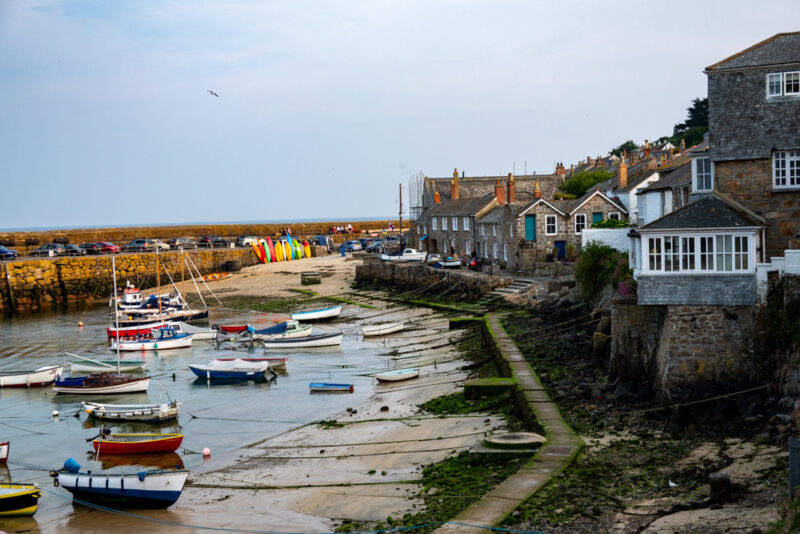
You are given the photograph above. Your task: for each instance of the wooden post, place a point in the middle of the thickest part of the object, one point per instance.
(11, 301)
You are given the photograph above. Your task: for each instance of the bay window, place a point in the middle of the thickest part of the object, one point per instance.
(699, 254)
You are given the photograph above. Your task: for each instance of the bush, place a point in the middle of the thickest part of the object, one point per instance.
(611, 223)
(581, 182)
(601, 265)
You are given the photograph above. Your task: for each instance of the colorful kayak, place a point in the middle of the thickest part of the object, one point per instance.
(278, 251)
(19, 499)
(271, 248)
(257, 251)
(136, 443)
(307, 249)
(265, 250)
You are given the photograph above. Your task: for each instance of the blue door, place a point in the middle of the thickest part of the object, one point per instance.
(562, 249)
(530, 228)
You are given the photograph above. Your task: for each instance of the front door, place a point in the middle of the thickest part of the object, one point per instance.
(596, 217)
(562, 249)
(530, 228)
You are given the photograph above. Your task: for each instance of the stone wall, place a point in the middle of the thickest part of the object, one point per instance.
(710, 289)
(38, 285)
(635, 334)
(440, 282)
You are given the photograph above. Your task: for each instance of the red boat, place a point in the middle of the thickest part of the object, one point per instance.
(136, 443)
(133, 331)
(230, 328)
(3, 452)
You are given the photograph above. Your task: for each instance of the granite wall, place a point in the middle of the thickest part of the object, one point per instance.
(439, 282)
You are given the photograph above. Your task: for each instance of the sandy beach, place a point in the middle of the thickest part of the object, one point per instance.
(365, 466)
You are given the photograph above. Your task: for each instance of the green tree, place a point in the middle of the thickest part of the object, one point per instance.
(581, 182)
(628, 145)
(698, 117)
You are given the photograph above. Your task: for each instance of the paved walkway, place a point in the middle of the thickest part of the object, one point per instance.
(551, 459)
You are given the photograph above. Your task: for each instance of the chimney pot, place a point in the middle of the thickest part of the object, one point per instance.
(623, 173)
(437, 199)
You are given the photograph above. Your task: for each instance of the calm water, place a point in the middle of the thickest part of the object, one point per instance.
(222, 418)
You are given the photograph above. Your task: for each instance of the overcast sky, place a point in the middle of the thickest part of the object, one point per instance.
(326, 106)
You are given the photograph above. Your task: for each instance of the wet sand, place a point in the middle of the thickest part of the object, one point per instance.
(311, 477)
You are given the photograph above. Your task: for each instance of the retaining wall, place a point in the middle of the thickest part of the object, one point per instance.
(447, 283)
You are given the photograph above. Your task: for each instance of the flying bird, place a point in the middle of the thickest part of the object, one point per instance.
(212, 92)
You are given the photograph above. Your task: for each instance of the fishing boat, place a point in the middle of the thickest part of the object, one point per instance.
(318, 340)
(286, 329)
(145, 489)
(235, 369)
(382, 329)
(274, 363)
(43, 376)
(102, 384)
(167, 338)
(398, 375)
(132, 319)
(134, 331)
(315, 315)
(330, 388)
(95, 366)
(144, 413)
(136, 443)
(198, 332)
(4, 447)
(216, 276)
(19, 499)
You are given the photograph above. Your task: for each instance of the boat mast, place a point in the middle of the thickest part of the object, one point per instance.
(183, 280)
(116, 312)
(158, 282)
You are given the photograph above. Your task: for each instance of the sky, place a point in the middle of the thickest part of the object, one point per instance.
(326, 107)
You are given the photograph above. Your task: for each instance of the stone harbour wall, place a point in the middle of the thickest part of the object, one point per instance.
(635, 334)
(56, 283)
(442, 282)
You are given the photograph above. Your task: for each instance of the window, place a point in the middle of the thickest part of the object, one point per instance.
(774, 84)
(699, 254)
(550, 225)
(444, 223)
(511, 229)
(687, 254)
(486, 250)
(732, 253)
(433, 223)
(614, 216)
(580, 222)
(444, 247)
(468, 246)
(455, 223)
(494, 250)
(494, 232)
(505, 252)
(424, 228)
(483, 229)
(672, 253)
(791, 83)
(706, 253)
(786, 169)
(418, 229)
(654, 253)
(466, 224)
(703, 174)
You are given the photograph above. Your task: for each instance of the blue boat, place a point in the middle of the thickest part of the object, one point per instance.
(231, 370)
(328, 387)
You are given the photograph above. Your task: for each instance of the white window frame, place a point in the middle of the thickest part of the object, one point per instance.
(466, 224)
(418, 229)
(786, 169)
(773, 79)
(511, 229)
(424, 229)
(468, 247)
(433, 223)
(494, 250)
(455, 223)
(712, 253)
(706, 175)
(485, 249)
(614, 216)
(444, 223)
(494, 232)
(505, 251)
(582, 224)
(547, 219)
(794, 79)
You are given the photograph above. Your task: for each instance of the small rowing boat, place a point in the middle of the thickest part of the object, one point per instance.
(145, 489)
(398, 375)
(197, 332)
(314, 315)
(274, 363)
(136, 443)
(318, 340)
(145, 413)
(43, 376)
(216, 276)
(95, 366)
(330, 388)
(382, 329)
(230, 328)
(284, 330)
(235, 369)
(102, 383)
(19, 499)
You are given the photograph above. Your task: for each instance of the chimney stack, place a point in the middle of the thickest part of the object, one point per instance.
(683, 147)
(623, 173)
(500, 193)
(646, 149)
(560, 170)
(454, 186)
(512, 188)
(437, 199)
(537, 193)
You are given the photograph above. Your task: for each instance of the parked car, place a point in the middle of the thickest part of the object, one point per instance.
(107, 247)
(375, 247)
(246, 240)
(92, 248)
(7, 253)
(184, 242)
(139, 245)
(367, 241)
(350, 246)
(160, 244)
(48, 249)
(72, 250)
(212, 241)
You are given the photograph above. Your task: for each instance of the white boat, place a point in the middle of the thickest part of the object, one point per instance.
(167, 339)
(196, 331)
(43, 376)
(231, 369)
(274, 363)
(319, 340)
(382, 329)
(398, 375)
(102, 384)
(314, 315)
(99, 366)
(284, 330)
(146, 413)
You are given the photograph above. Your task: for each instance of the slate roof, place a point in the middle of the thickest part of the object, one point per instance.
(494, 216)
(671, 177)
(568, 206)
(460, 207)
(711, 211)
(779, 49)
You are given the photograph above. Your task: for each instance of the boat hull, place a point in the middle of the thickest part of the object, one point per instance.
(157, 490)
(397, 376)
(330, 388)
(130, 444)
(44, 376)
(134, 331)
(274, 363)
(324, 340)
(124, 366)
(153, 344)
(144, 413)
(134, 386)
(19, 499)
(315, 315)
(133, 319)
(382, 329)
